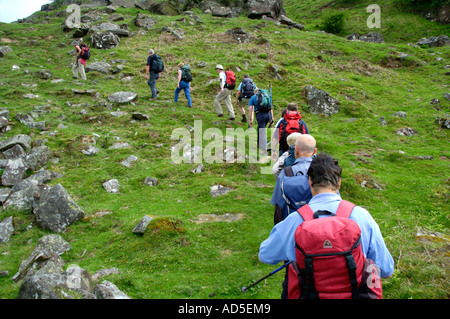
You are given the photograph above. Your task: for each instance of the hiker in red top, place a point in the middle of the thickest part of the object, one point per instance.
(80, 63)
(291, 121)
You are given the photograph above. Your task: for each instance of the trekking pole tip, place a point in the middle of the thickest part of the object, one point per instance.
(244, 289)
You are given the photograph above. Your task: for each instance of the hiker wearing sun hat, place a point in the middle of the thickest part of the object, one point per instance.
(223, 95)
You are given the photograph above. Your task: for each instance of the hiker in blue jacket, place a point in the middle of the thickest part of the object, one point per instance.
(325, 179)
(305, 148)
(263, 117)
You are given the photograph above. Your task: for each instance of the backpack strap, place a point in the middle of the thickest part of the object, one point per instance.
(306, 212)
(345, 209)
(288, 171)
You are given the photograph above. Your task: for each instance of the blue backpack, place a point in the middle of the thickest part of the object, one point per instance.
(295, 193)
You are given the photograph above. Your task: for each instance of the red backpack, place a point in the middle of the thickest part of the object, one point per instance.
(292, 122)
(85, 52)
(330, 263)
(230, 82)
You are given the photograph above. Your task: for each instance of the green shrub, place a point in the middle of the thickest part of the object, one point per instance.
(334, 23)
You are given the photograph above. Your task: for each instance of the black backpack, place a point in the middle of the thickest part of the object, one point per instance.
(247, 88)
(157, 64)
(85, 52)
(186, 74)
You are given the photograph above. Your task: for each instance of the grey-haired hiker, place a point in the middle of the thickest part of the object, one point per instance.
(153, 68)
(78, 66)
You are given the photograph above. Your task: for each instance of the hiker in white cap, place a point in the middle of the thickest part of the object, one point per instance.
(223, 95)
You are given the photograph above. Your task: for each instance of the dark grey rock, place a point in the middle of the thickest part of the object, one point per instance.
(57, 210)
(21, 139)
(270, 8)
(4, 50)
(130, 159)
(45, 247)
(217, 190)
(240, 35)
(41, 177)
(14, 171)
(406, 131)
(285, 20)
(16, 151)
(151, 181)
(26, 198)
(142, 225)
(6, 229)
(122, 97)
(431, 42)
(321, 102)
(224, 12)
(144, 5)
(44, 74)
(37, 157)
(101, 67)
(112, 186)
(105, 40)
(107, 290)
(139, 116)
(143, 21)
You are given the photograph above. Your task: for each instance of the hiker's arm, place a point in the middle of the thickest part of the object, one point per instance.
(147, 70)
(78, 53)
(250, 115)
(179, 78)
(237, 96)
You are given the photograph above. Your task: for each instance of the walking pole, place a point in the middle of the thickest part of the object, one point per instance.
(271, 102)
(244, 289)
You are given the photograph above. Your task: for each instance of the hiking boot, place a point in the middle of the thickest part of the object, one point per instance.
(231, 118)
(219, 115)
(244, 119)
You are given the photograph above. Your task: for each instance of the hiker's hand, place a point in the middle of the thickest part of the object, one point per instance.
(250, 124)
(146, 76)
(274, 156)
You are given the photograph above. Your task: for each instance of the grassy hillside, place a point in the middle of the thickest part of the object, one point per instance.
(178, 257)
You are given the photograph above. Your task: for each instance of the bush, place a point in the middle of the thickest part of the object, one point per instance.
(334, 23)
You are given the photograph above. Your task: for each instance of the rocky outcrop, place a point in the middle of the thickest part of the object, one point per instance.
(105, 40)
(43, 276)
(57, 210)
(270, 8)
(431, 42)
(320, 102)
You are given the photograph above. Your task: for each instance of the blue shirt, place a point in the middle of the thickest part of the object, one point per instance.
(280, 245)
(254, 102)
(300, 164)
